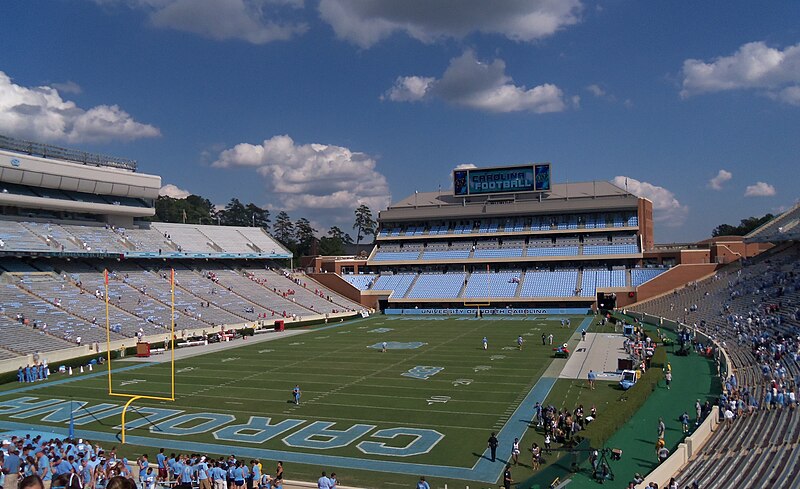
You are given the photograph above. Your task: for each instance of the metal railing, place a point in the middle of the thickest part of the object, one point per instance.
(77, 156)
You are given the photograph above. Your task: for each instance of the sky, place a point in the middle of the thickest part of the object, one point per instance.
(318, 106)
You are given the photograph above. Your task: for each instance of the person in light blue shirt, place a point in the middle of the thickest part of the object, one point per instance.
(161, 460)
(177, 468)
(44, 471)
(20, 375)
(87, 474)
(256, 472)
(202, 471)
(323, 482)
(485, 343)
(186, 475)
(238, 476)
(332, 480)
(61, 466)
(143, 464)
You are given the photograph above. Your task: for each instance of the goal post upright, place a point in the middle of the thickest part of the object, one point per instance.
(134, 397)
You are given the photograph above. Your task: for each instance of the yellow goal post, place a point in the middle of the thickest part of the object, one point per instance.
(133, 397)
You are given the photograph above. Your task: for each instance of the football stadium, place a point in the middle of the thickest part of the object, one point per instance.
(513, 319)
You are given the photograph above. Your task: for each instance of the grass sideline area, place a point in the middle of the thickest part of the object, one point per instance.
(350, 388)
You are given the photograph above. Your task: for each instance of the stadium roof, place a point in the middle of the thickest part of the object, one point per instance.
(785, 227)
(564, 197)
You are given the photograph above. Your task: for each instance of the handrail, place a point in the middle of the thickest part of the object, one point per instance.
(73, 155)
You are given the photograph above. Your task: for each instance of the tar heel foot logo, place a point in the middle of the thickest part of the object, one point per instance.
(15, 162)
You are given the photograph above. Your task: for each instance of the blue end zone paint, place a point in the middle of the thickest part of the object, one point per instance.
(482, 471)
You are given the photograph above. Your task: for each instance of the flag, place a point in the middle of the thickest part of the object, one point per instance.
(105, 276)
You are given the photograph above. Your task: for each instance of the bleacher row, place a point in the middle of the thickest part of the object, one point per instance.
(504, 284)
(515, 252)
(746, 306)
(31, 236)
(46, 305)
(538, 223)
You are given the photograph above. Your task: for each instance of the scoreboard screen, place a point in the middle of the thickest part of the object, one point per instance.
(516, 179)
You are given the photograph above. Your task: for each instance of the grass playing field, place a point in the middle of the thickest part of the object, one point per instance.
(425, 407)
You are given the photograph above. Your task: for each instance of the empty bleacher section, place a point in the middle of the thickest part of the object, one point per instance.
(559, 283)
(437, 285)
(398, 283)
(483, 284)
(642, 275)
(52, 237)
(361, 282)
(594, 279)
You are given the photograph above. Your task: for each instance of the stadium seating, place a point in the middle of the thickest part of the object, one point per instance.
(559, 283)
(16, 236)
(437, 285)
(498, 253)
(610, 249)
(445, 255)
(552, 251)
(758, 450)
(361, 282)
(395, 255)
(398, 283)
(642, 275)
(483, 284)
(592, 279)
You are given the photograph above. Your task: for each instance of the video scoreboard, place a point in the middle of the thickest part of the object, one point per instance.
(502, 180)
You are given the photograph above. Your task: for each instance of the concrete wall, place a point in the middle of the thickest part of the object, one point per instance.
(338, 285)
(676, 276)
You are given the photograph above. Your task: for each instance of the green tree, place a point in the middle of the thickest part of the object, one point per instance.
(234, 214)
(304, 236)
(745, 226)
(336, 233)
(284, 229)
(365, 224)
(333, 244)
(259, 217)
(194, 209)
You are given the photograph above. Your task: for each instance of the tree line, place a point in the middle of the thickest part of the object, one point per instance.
(745, 226)
(298, 236)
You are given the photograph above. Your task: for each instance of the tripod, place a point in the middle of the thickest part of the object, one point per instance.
(601, 469)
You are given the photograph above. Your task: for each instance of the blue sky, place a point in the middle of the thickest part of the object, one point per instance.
(316, 106)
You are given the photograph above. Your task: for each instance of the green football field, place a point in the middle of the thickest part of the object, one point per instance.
(424, 407)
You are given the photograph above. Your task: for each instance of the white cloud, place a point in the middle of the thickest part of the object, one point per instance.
(253, 21)
(408, 89)
(471, 83)
(666, 207)
(596, 90)
(789, 95)
(721, 177)
(312, 180)
(40, 113)
(754, 65)
(365, 23)
(68, 87)
(760, 189)
(170, 190)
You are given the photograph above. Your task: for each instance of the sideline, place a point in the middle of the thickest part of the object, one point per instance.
(483, 470)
